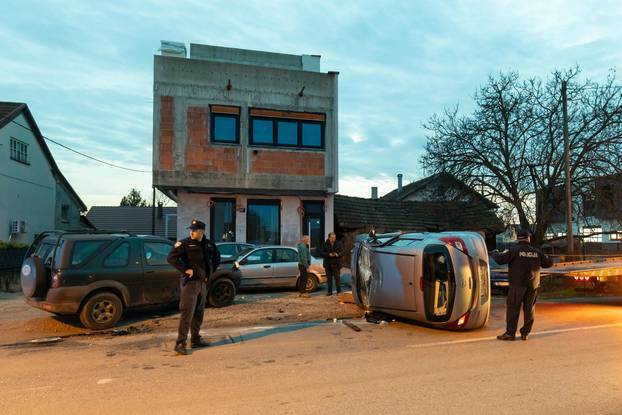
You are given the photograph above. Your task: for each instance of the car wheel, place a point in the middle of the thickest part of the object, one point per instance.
(222, 293)
(102, 311)
(312, 283)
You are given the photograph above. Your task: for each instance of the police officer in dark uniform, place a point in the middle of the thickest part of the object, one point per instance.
(196, 258)
(524, 262)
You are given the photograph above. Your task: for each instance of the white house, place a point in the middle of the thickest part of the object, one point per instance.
(34, 194)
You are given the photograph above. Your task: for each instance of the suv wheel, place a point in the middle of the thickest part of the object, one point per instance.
(101, 311)
(222, 293)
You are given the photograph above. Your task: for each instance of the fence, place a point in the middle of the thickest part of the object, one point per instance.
(10, 264)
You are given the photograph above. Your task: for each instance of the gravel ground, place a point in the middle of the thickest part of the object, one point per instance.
(20, 322)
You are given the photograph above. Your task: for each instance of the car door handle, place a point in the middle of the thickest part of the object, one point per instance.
(149, 272)
(267, 266)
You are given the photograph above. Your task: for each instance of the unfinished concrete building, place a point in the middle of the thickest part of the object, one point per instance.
(246, 141)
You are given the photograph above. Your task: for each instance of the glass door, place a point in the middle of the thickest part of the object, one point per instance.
(313, 224)
(222, 220)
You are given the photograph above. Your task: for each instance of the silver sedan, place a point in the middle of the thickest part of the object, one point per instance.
(276, 266)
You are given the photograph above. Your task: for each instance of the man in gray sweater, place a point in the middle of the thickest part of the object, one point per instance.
(304, 261)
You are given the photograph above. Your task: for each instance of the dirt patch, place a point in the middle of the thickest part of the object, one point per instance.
(20, 322)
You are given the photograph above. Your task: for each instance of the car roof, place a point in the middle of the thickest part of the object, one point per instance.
(274, 246)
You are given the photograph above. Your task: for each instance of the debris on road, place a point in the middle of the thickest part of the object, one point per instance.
(352, 326)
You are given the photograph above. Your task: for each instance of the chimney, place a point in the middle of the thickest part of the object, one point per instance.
(399, 183)
(374, 192)
(160, 213)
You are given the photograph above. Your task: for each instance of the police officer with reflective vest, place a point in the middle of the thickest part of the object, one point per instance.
(524, 262)
(196, 258)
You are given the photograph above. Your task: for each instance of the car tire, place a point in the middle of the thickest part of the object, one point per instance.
(101, 311)
(312, 283)
(221, 293)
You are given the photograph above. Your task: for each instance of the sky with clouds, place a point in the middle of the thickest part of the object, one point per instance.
(85, 69)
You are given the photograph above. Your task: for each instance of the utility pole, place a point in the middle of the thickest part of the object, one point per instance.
(153, 212)
(569, 238)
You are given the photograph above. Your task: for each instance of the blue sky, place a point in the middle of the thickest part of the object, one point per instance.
(85, 69)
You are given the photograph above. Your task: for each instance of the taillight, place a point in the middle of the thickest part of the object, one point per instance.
(462, 321)
(457, 243)
(56, 279)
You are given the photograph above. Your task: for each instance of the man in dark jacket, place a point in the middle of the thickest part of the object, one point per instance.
(196, 258)
(332, 252)
(524, 262)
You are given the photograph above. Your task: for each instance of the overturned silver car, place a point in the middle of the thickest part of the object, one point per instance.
(438, 279)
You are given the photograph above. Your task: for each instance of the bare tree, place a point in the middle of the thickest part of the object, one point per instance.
(511, 146)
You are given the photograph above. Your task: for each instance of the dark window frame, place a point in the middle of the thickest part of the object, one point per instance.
(18, 150)
(251, 128)
(265, 202)
(211, 217)
(275, 138)
(212, 127)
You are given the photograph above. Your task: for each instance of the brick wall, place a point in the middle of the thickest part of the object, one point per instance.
(302, 163)
(200, 155)
(167, 134)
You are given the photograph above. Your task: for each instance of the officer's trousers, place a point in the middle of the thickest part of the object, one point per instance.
(192, 306)
(517, 296)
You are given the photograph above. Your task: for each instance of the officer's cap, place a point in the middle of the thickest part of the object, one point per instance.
(196, 224)
(523, 234)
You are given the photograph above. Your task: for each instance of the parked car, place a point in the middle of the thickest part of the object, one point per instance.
(274, 266)
(438, 279)
(98, 275)
(231, 249)
(499, 276)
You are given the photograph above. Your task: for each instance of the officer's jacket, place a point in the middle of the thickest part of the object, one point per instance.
(524, 262)
(202, 257)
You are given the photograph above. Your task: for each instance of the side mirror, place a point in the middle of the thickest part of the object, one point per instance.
(242, 262)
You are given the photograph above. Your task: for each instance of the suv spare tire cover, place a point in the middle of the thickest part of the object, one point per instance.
(33, 276)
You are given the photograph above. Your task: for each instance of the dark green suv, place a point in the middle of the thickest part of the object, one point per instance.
(99, 274)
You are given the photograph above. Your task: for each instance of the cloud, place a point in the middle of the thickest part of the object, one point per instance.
(86, 69)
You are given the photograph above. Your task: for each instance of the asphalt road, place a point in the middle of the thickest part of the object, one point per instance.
(571, 364)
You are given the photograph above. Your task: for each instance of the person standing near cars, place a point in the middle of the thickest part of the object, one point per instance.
(524, 262)
(196, 258)
(304, 262)
(332, 252)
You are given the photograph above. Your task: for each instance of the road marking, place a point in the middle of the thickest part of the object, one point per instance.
(539, 333)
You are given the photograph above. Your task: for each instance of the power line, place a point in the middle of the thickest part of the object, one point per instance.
(82, 154)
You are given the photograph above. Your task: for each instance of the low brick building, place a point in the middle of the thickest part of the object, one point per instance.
(246, 141)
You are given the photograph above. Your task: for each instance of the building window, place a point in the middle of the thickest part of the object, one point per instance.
(64, 213)
(287, 133)
(592, 234)
(616, 236)
(312, 134)
(262, 131)
(263, 222)
(222, 220)
(19, 151)
(225, 128)
(286, 129)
